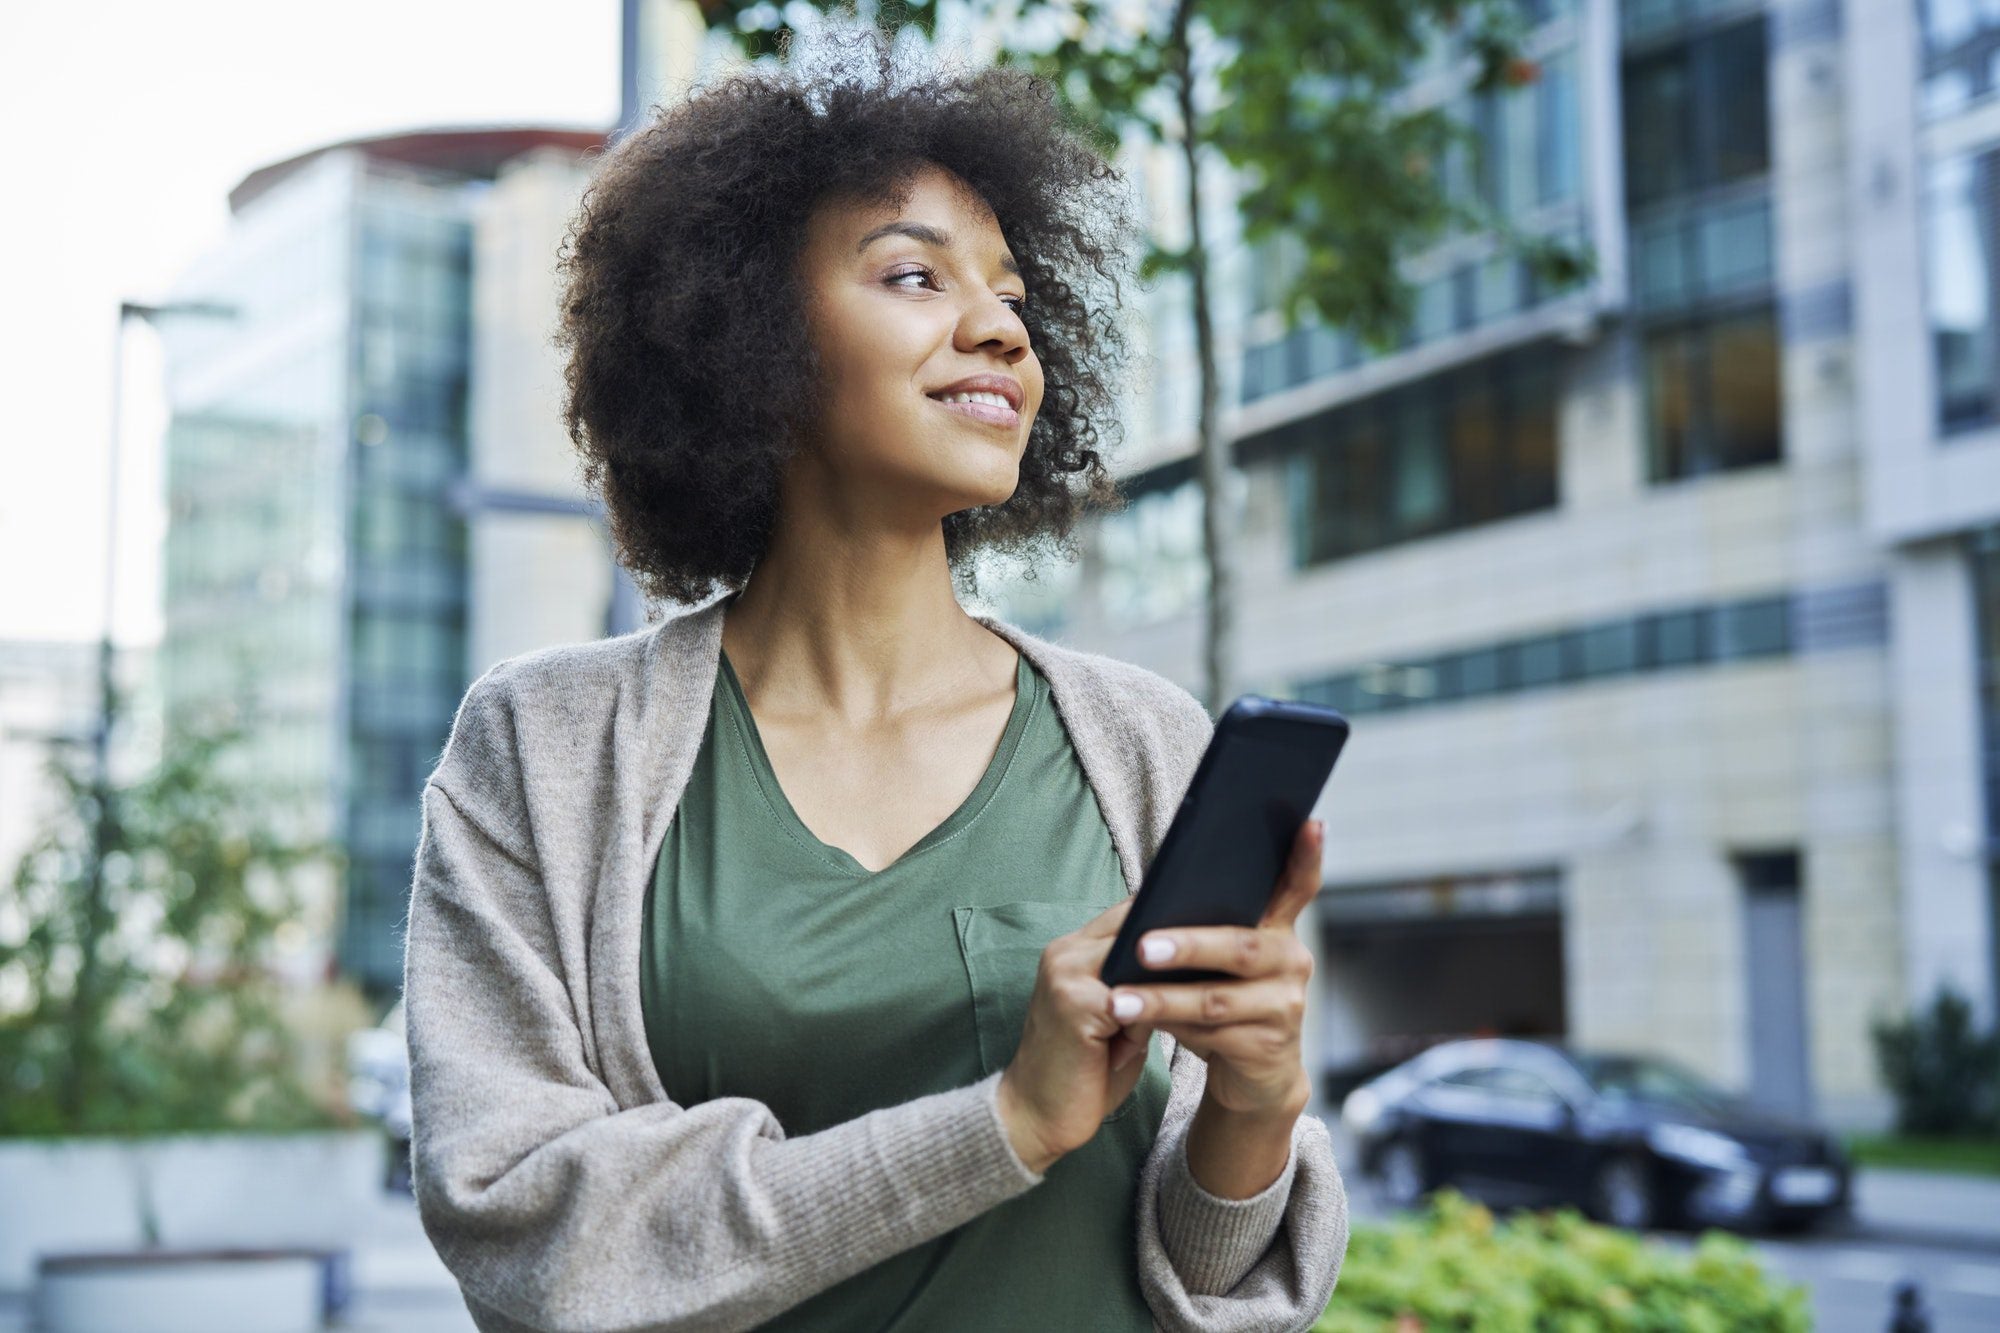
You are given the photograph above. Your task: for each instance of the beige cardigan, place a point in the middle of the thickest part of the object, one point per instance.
(562, 1185)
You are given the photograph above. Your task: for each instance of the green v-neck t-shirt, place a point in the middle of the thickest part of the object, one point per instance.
(777, 967)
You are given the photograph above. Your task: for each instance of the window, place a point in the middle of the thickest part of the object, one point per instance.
(1420, 470)
(1712, 395)
(1152, 556)
(1697, 115)
(1610, 650)
(1959, 227)
(1679, 638)
(1475, 451)
(1559, 128)
(1531, 438)
(1662, 641)
(1466, 447)
(1752, 629)
(1985, 559)
(1961, 52)
(1540, 661)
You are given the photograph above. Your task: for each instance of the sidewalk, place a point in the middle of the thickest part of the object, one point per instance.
(400, 1285)
(1927, 1207)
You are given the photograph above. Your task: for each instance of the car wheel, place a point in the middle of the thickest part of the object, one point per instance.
(1405, 1174)
(1621, 1193)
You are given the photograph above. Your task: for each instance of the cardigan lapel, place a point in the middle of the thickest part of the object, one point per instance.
(680, 657)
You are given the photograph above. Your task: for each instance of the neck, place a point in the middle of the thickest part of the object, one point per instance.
(860, 625)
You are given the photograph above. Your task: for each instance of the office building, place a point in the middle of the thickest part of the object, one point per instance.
(1656, 603)
(317, 578)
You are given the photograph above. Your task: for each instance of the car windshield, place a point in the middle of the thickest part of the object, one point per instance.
(1651, 1080)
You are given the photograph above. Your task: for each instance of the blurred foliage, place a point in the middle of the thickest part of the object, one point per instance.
(1307, 101)
(1944, 1074)
(1455, 1267)
(150, 1010)
(1968, 1156)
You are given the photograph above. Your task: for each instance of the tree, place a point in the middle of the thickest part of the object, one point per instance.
(1944, 1072)
(149, 1008)
(1306, 99)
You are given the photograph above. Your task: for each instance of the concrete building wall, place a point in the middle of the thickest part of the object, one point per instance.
(1644, 792)
(541, 563)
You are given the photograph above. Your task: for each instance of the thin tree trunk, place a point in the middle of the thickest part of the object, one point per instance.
(1213, 462)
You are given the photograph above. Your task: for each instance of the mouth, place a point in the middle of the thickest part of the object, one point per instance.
(991, 413)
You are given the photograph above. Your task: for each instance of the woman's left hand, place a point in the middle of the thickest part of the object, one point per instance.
(1247, 1030)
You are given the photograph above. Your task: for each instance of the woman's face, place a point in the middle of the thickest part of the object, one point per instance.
(907, 305)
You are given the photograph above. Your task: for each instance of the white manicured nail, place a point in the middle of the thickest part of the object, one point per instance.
(1156, 950)
(1127, 1006)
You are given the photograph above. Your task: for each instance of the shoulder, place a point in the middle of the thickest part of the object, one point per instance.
(526, 702)
(1149, 697)
(1143, 707)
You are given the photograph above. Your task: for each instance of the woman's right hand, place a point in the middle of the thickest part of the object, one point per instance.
(1061, 1083)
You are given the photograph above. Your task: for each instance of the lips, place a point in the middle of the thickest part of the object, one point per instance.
(1005, 386)
(1005, 417)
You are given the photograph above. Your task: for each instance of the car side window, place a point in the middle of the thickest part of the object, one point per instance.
(1478, 1076)
(1526, 1086)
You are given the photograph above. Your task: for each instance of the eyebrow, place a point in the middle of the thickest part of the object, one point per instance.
(929, 235)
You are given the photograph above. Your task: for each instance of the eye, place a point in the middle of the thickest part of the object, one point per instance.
(1017, 304)
(912, 273)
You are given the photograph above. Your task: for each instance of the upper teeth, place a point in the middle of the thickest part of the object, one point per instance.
(997, 400)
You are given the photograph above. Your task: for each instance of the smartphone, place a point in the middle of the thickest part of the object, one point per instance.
(1265, 767)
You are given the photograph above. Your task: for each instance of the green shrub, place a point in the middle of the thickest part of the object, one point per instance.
(147, 1006)
(1455, 1267)
(1946, 1076)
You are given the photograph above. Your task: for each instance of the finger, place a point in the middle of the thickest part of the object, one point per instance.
(1245, 1045)
(1246, 951)
(1299, 883)
(1128, 1043)
(1271, 999)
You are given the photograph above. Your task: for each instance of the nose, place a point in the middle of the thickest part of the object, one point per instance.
(989, 324)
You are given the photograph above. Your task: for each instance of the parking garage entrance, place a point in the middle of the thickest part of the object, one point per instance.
(1403, 966)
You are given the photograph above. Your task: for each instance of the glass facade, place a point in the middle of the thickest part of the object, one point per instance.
(1959, 231)
(406, 610)
(1697, 188)
(1985, 555)
(315, 568)
(251, 557)
(251, 613)
(1711, 388)
(1961, 53)
(1668, 640)
(1151, 557)
(1528, 166)
(1458, 449)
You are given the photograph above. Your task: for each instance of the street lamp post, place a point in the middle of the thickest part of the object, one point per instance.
(104, 826)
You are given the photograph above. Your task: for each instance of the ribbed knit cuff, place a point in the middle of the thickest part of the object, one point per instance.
(990, 1088)
(1212, 1241)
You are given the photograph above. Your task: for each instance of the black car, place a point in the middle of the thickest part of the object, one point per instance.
(1637, 1141)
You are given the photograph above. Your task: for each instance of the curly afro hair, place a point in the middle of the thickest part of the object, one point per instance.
(681, 269)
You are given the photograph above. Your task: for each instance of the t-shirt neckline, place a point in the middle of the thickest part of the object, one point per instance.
(1026, 685)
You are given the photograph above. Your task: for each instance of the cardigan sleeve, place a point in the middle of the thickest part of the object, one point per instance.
(555, 1209)
(1214, 1265)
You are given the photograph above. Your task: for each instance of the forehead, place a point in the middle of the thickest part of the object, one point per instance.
(946, 209)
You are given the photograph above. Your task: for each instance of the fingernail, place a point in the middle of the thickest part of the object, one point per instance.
(1156, 948)
(1124, 1059)
(1126, 1005)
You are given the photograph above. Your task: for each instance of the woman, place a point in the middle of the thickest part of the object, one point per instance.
(752, 957)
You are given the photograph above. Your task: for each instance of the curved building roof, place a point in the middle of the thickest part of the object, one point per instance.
(473, 152)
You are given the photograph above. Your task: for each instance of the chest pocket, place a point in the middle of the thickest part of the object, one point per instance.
(1003, 947)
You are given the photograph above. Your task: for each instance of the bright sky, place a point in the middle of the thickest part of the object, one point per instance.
(128, 122)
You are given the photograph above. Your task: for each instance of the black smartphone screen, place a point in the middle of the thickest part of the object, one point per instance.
(1256, 785)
